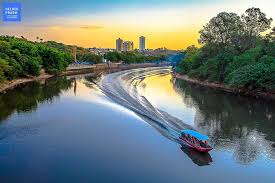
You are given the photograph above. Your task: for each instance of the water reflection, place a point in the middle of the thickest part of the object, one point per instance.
(239, 124)
(200, 159)
(27, 98)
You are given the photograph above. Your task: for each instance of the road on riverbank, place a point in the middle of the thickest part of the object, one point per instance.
(72, 70)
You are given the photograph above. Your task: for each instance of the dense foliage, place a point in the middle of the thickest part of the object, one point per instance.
(132, 57)
(82, 54)
(20, 57)
(234, 51)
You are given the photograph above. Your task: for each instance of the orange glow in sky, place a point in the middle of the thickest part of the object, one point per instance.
(173, 25)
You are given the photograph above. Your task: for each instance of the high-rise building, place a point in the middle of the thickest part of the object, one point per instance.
(128, 46)
(141, 43)
(119, 44)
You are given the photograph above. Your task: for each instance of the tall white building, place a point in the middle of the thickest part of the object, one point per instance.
(141, 43)
(128, 46)
(119, 44)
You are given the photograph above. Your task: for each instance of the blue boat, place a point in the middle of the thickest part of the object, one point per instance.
(195, 140)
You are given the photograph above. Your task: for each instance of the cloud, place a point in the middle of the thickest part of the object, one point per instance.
(58, 26)
(55, 27)
(91, 27)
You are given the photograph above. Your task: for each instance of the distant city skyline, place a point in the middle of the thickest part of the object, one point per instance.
(173, 24)
(119, 44)
(142, 44)
(128, 46)
(122, 45)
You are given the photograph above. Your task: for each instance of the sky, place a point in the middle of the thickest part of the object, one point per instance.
(173, 24)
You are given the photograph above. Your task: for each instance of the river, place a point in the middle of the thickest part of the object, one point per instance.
(123, 127)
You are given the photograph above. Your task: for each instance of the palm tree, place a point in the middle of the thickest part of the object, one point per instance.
(41, 40)
(37, 38)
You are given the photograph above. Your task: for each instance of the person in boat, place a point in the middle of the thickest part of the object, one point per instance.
(183, 135)
(198, 140)
(188, 137)
(194, 140)
(204, 144)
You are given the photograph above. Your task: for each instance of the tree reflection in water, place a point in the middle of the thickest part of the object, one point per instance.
(27, 98)
(240, 124)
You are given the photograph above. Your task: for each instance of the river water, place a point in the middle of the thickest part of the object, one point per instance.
(123, 127)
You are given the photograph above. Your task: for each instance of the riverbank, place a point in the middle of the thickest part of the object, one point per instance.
(72, 70)
(222, 87)
(8, 85)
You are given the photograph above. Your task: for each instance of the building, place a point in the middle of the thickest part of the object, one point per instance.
(100, 51)
(128, 46)
(119, 44)
(141, 43)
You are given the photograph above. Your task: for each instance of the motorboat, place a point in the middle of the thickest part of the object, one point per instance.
(195, 140)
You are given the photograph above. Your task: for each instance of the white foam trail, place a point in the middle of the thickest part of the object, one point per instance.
(122, 88)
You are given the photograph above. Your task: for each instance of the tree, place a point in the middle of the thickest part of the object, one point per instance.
(255, 22)
(4, 67)
(4, 46)
(33, 66)
(20, 57)
(113, 56)
(191, 55)
(89, 57)
(229, 28)
(15, 70)
(221, 29)
(234, 51)
(24, 47)
(271, 35)
(191, 49)
(53, 60)
(254, 76)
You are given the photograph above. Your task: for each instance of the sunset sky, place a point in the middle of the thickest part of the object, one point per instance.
(92, 23)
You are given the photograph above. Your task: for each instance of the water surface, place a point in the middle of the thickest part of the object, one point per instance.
(122, 127)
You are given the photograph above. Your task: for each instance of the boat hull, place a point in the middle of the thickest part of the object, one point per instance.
(198, 148)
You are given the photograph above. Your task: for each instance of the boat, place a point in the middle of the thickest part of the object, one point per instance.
(195, 140)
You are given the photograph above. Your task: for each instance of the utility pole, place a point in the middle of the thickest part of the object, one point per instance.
(74, 53)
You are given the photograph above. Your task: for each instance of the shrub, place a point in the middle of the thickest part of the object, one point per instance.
(4, 68)
(53, 60)
(33, 66)
(253, 76)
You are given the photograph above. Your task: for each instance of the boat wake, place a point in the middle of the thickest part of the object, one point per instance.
(122, 87)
